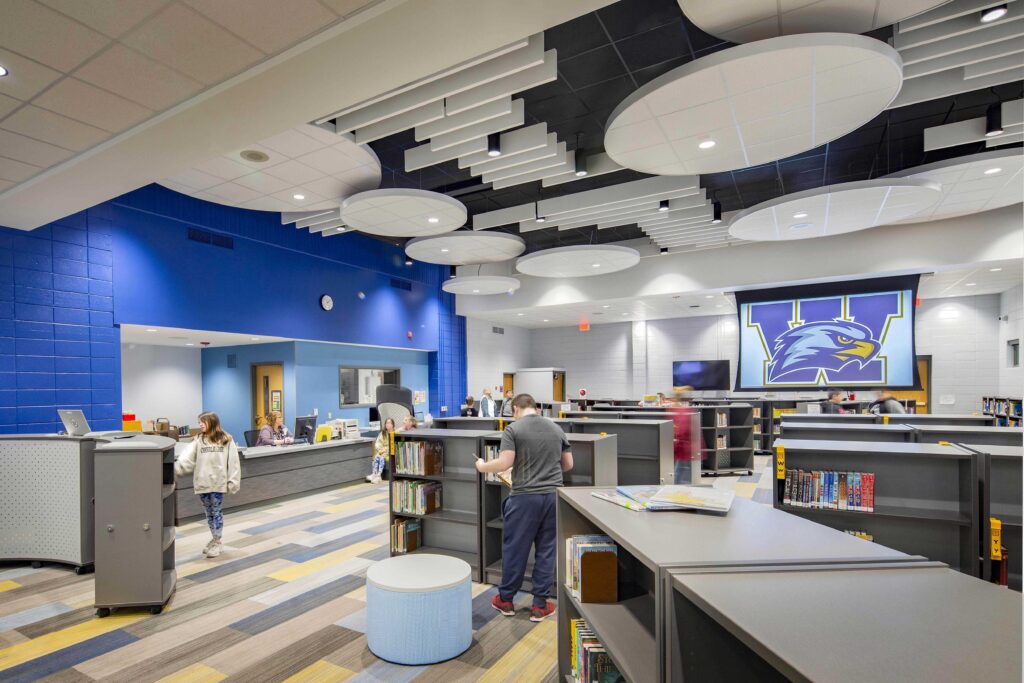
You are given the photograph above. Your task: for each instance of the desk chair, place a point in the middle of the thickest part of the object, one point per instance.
(251, 436)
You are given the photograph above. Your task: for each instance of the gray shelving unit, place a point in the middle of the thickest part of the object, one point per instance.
(940, 419)
(926, 495)
(750, 535)
(594, 464)
(841, 418)
(134, 523)
(727, 438)
(454, 530)
(1001, 498)
(645, 447)
(1005, 410)
(842, 624)
(472, 423)
(995, 436)
(846, 431)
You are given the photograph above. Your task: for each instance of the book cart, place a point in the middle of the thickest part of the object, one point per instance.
(1006, 411)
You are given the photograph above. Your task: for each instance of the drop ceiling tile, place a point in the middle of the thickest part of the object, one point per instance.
(292, 143)
(329, 160)
(4, 184)
(136, 77)
(607, 94)
(197, 180)
(268, 25)
(263, 182)
(53, 128)
(39, 33)
(362, 178)
(7, 105)
(110, 17)
(331, 188)
(346, 8)
(623, 19)
(15, 171)
(233, 193)
(654, 46)
(591, 67)
(25, 78)
(579, 35)
(193, 45)
(223, 168)
(31, 151)
(294, 172)
(87, 103)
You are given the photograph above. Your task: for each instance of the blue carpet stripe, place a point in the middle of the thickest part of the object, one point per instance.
(66, 658)
(381, 553)
(756, 476)
(763, 496)
(336, 523)
(343, 542)
(482, 610)
(297, 606)
(270, 526)
(31, 616)
(227, 568)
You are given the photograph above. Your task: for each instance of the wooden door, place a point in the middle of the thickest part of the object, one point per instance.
(508, 382)
(267, 390)
(923, 397)
(558, 387)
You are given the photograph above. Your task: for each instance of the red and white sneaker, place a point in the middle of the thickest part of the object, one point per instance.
(540, 613)
(503, 606)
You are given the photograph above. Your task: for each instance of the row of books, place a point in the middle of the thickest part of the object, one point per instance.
(757, 428)
(405, 535)
(416, 497)
(723, 419)
(1011, 407)
(592, 573)
(860, 534)
(830, 490)
(420, 458)
(591, 662)
(757, 413)
(505, 477)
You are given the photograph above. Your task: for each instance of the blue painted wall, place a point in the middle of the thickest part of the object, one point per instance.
(228, 391)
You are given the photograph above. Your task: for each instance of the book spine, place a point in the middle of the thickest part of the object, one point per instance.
(842, 490)
(787, 486)
(871, 491)
(856, 491)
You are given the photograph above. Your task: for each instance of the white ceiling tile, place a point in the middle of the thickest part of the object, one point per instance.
(39, 33)
(293, 172)
(87, 103)
(311, 197)
(110, 17)
(16, 171)
(25, 78)
(344, 8)
(331, 188)
(7, 105)
(53, 128)
(138, 78)
(4, 184)
(224, 168)
(31, 151)
(234, 193)
(329, 160)
(262, 182)
(193, 45)
(291, 143)
(362, 178)
(196, 179)
(269, 25)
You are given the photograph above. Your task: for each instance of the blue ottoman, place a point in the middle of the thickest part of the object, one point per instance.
(419, 608)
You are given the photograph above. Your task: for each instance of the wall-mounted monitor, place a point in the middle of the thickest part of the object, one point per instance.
(848, 335)
(702, 375)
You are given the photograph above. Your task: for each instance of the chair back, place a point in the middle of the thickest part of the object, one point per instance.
(250, 437)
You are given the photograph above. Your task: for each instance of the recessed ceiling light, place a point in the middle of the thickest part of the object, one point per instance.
(3, 71)
(150, 329)
(255, 339)
(520, 314)
(709, 296)
(625, 314)
(606, 306)
(595, 265)
(972, 284)
(994, 270)
(546, 320)
(444, 251)
(707, 144)
(993, 13)
(254, 155)
(433, 220)
(190, 344)
(540, 219)
(800, 214)
(298, 196)
(993, 171)
(408, 261)
(801, 226)
(341, 229)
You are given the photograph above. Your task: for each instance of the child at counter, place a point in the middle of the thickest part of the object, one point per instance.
(409, 423)
(381, 451)
(273, 432)
(212, 459)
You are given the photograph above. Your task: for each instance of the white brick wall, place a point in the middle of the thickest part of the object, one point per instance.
(711, 337)
(489, 355)
(1011, 305)
(600, 360)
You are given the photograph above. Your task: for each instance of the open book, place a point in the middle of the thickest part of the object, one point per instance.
(658, 498)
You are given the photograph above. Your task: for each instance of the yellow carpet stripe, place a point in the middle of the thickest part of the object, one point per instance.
(323, 562)
(8, 585)
(530, 659)
(358, 504)
(321, 672)
(58, 640)
(745, 489)
(197, 673)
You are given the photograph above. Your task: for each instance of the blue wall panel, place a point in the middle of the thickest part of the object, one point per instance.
(228, 391)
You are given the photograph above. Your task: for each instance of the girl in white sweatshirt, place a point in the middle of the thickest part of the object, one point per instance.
(213, 457)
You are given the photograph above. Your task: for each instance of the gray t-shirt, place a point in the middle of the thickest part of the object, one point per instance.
(539, 444)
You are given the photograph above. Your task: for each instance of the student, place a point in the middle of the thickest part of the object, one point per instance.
(273, 432)
(684, 446)
(538, 452)
(409, 423)
(487, 405)
(381, 451)
(212, 458)
(886, 404)
(470, 410)
(506, 405)
(833, 406)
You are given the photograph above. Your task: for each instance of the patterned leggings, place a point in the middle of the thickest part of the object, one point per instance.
(212, 504)
(378, 464)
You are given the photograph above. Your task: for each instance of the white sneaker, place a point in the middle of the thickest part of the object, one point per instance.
(376, 479)
(369, 478)
(215, 549)
(209, 545)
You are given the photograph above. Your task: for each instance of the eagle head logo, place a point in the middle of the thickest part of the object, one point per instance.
(825, 345)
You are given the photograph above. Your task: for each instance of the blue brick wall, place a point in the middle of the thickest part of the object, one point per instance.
(447, 366)
(58, 344)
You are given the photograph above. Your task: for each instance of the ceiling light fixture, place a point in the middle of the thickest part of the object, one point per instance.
(444, 251)
(476, 291)
(994, 120)
(254, 339)
(546, 320)
(595, 265)
(190, 344)
(972, 284)
(664, 250)
(606, 306)
(3, 71)
(300, 197)
(150, 330)
(540, 219)
(800, 214)
(520, 314)
(581, 164)
(716, 213)
(254, 155)
(709, 296)
(433, 220)
(801, 226)
(993, 13)
(494, 145)
(408, 261)
(994, 270)
(993, 171)
(707, 144)
(663, 205)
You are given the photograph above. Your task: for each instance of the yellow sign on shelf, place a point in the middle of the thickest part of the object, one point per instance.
(996, 536)
(885, 419)
(780, 462)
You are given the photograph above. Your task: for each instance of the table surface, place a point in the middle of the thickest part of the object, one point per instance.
(265, 451)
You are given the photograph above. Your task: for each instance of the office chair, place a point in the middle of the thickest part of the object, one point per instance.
(250, 437)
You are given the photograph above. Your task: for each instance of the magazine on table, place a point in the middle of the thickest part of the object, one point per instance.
(656, 498)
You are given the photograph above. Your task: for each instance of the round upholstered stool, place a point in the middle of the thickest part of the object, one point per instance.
(419, 608)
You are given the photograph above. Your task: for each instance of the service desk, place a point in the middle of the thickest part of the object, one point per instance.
(270, 472)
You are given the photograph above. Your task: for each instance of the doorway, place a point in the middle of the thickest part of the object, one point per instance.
(267, 390)
(508, 381)
(923, 397)
(558, 387)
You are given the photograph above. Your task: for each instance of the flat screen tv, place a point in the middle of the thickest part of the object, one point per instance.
(702, 375)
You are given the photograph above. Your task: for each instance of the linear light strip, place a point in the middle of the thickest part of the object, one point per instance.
(448, 123)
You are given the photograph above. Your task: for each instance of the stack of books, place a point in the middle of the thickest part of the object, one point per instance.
(720, 442)
(590, 661)
(505, 477)
(405, 535)
(757, 413)
(861, 534)
(592, 568)
(415, 497)
(420, 458)
(723, 420)
(830, 490)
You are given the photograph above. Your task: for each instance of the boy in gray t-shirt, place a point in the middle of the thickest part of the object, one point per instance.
(538, 452)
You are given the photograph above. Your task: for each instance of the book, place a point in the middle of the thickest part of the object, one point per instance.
(829, 490)
(619, 499)
(503, 477)
(695, 498)
(416, 497)
(642, 494)
(720, 442)
(405, 535)
(419, 458)
(588, 658)
(842, 490)
(592, 568)
(787, 487)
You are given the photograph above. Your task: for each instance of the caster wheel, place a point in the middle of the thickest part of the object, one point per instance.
(37, 565)
(156, 609)
(103, 612)
(84, 569)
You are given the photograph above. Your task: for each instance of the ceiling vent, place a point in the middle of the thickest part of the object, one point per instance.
(498, 330)
(213, 239)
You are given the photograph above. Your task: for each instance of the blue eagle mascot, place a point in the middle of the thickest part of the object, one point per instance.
(823, 345)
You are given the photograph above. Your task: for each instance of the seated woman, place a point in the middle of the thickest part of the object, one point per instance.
(273, 432)
(409, 423)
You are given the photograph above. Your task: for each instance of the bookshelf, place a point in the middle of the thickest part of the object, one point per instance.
(1001, 498)
(751, 534)
(846, 431)
(964, 420)
(644, 447)
(1005, 410)
(846, 624)
(926, 498)
(454, 528)
(727, 438)
(594, 464)
(841, 418)
(993, 436)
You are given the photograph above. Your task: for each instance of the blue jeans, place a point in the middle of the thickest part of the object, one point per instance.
(529, 522)
(214, 517)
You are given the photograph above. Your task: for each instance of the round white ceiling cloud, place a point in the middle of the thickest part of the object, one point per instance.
(742, 21)
(302, 169)
(754, 104)
(971, 184)
(584, 260)
(466, 247)
(400, 212)
(480, 285)
(835, 209)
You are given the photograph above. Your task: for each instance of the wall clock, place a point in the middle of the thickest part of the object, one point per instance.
(326, 302)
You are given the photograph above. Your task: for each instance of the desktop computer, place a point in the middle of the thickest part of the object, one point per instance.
(305, 428)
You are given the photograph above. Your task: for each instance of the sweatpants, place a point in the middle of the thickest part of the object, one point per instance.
(214, 517)
(529, 521)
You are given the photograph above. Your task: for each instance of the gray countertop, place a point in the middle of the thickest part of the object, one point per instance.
(870, 447)
(269, 451)
(846, 426)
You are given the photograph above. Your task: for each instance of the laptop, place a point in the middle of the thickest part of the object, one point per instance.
(74, 421)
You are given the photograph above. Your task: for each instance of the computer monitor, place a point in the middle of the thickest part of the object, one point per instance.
(305, 428)
(74, 421)
(374, 414)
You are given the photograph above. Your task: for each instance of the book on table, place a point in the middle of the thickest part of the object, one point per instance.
(678, 497)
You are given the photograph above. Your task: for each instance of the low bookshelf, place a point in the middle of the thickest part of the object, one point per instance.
(1001, 500)
(835, 430)
(993, 436)
(594, 464)
(1006, 410)
(645, 446)
(921, 499)
(727, 438)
